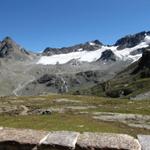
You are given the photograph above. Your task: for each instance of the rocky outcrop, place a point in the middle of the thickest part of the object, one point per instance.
(63, 83)
(143, 65)
(145, 59)
(57, 82)
(138, 51)
(107, 55)
(25, 139)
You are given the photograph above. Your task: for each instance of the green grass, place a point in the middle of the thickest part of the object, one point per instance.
(71, 120)
(102, 104)
(58, 122)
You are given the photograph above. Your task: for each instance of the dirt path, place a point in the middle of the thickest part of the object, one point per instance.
(22, 85)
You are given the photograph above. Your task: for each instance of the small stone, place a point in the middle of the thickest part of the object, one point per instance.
(94, 141)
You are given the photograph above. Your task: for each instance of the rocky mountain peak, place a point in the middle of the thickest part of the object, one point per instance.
(7, 38)
(9, 42)
(130, 41)
(96, 42)
(10, 49)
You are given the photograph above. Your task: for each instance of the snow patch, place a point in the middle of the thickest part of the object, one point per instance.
(88, 56)
(92, 44)
(147, 39)
(80, 49)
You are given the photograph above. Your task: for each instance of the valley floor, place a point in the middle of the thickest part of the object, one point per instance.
(76, 113)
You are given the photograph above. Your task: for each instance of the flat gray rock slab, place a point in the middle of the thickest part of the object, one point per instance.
(22, 136)
(133, 120)
(59, 140)
(66, 100)
(94, 141)
(144, 141)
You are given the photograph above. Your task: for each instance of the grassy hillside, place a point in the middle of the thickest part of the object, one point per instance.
(132, 81)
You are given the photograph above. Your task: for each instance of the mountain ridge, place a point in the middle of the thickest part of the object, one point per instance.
(67, 69)
(126, 48)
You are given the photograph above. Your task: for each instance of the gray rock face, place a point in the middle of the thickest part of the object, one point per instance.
(108, 55)
(145, 59)
(57, 82)
(63, 140)
(138, 51)
(63, 83)
(144, 64)
(144, 141)
(94, 141)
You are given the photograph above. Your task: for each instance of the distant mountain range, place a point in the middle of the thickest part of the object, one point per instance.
(83, 68)
(126, 48)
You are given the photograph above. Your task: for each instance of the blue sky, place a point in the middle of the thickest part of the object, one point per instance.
(37, 24)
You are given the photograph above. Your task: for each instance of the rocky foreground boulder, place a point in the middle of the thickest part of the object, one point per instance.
(26, 139)
(144, 141)
(95, 141)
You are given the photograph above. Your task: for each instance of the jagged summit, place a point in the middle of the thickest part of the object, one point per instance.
(7, 38)
(97, 42)
(89, 46)
(130, 41)
(10, 49)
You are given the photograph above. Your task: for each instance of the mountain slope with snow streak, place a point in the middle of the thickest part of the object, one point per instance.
(91, 56)
(87, 56)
